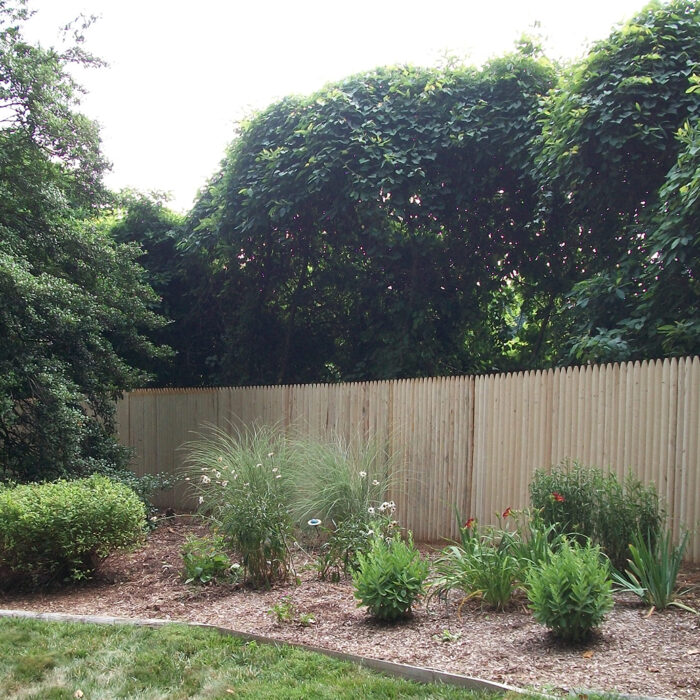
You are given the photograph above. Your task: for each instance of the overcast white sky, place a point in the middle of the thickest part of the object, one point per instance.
(181, 73)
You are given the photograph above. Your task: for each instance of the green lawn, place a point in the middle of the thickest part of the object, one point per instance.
(52, 661)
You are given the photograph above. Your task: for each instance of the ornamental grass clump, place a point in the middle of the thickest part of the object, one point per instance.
(61, 530)
(242, 485)
(336, 480)
(572, 592)
(389, 578)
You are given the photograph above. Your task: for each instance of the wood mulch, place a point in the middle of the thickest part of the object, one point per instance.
(634, 652)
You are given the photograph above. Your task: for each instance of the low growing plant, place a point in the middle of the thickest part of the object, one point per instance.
(389, 578)
(482, 566)
(242, 485)
(590, 504)
(205, 559)
(653, 570)
(572, 592)
(57, 531)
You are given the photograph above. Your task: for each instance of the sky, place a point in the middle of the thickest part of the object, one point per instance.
(181, 74)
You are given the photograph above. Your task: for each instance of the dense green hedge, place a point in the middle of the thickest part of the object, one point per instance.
(60, 530)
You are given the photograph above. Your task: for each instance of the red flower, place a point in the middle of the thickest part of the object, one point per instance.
(469, 522)
(558, 497)
(506, 512)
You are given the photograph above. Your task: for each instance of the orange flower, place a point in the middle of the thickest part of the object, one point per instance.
(558, 497)
(506, 512)
(469, 522)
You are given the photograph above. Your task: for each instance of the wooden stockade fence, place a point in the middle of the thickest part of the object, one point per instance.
(472, 442)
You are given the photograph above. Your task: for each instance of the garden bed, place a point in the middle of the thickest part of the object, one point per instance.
(634, 652)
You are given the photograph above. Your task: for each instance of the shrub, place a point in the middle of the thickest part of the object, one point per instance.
(242, 484)
(389, 578)
(571, 593)
(351, 537)
(205, 559)
(653, 569)
(587, 503)
(53, 531)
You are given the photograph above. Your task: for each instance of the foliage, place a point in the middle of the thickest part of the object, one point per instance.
(335, 480)
(180, 279)
(73, 304)
(482, 566)
(617, 163)
(571, 593)
(389, 578)
(242, 485)
(585, 502)
(51, 660)
(205, 559)
(144, 486)
(338, 555)
(53, 531)
(653, 569)
(361, 230)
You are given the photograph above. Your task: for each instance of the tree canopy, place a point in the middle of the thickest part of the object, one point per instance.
(73, 304)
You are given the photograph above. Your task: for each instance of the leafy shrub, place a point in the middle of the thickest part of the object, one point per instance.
(50, 532)
(205, 559)
(145, 487)
(243, 486)
(389, 578)
(571, 593)
(587, 503)
(353, 536)
(653, 569)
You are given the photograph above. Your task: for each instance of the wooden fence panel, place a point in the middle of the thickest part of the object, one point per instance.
(467, 442)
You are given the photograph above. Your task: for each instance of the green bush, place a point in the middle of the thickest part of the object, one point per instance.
(205, 559)
(389, 578)
(585, 502)
(56, 531)
(242, 484)
(571, 593)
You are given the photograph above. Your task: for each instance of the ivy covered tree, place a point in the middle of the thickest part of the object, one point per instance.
(617, 162)
(73, 304)
(365, 231)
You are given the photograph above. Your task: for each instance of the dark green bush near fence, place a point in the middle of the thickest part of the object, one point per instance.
(57, 531)
(589, 503)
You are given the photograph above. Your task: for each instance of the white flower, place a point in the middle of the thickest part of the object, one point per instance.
(205, 479)
(275, 470)
(279, 476)
(270, 454)
(201, 499)
(205, 469)
(382, 507)
(258, 465)
(363, 475)
(370, 510)
(236, 566)
(375, 482)
(221, 458)
(370, 533)
(187, 478)
(224, 484)
(217, 475)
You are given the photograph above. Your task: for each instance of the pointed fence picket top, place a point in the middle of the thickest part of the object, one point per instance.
(469, 444)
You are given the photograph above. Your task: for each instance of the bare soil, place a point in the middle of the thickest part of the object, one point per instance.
(634, 652)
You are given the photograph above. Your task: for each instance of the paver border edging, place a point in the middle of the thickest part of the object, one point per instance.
(411, 673)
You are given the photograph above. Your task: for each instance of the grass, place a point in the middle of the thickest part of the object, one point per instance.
(52, 661)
